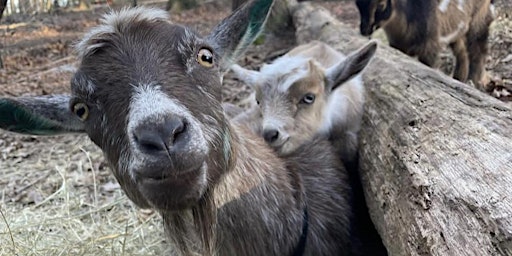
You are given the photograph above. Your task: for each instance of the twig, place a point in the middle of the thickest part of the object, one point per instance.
(124, 237)
(32, 183)
(62, 188)
(49, 66)
(9, 230)
(93, 176)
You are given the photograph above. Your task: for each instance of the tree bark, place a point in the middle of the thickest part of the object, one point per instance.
(435, 154)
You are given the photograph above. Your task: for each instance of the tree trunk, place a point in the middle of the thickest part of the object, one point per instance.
(435, 154)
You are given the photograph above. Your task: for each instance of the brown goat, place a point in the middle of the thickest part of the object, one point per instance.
(423, 28)
(148, 93)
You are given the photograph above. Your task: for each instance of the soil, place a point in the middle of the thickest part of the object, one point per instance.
(46, 183)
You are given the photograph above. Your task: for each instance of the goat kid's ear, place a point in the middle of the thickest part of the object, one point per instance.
(249, 77)
(234, 34)
(351, 66)
(42, 115)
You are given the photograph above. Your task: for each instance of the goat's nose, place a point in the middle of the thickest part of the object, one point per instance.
(151, 137)
(270, 135)
(366, 29)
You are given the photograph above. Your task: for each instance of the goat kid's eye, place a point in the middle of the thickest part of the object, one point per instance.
(205, 58)
(309, 98)
(81, 110)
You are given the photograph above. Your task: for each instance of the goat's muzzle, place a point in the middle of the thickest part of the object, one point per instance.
(154, 138)
(172, 169)
(367, 28)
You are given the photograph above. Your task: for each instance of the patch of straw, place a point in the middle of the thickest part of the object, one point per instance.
(75, 214)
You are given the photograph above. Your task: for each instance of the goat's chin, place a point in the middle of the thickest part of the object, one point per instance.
(175, 192)
(287, 148)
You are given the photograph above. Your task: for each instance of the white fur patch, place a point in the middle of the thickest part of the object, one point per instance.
(341, 107)
(149, 102)
(443, 6)
(112, 21)
(461, 5)
(284, 66)
(493, 10)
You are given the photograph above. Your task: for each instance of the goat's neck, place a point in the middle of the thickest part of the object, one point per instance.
(257, 186)
(254, 164)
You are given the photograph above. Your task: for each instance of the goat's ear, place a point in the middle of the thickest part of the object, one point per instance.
(249, 77)
(43, 115)
(351, 66)
(235, 33)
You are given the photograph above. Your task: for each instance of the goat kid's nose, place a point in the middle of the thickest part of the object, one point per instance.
(270, 135)
(153, 137)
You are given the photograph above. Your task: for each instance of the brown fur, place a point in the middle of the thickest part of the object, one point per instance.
(423, 28)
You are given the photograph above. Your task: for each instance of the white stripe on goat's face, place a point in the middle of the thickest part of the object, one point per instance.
(150, 106)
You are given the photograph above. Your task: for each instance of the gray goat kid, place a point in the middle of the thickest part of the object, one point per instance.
(312, 90)
(148, 93)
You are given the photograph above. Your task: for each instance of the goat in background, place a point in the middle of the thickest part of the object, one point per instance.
(423, 28)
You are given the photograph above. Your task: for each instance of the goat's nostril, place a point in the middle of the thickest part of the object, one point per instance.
(149, 141)
(174, 128)
(271, 135)
(153, 137)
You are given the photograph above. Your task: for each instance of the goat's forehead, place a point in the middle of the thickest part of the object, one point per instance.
(279, 76)
(138, 48)
(116, 22)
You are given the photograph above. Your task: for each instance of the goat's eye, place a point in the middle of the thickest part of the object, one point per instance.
(257, 102)
(81, 110)
(205, 58)
(309, 98)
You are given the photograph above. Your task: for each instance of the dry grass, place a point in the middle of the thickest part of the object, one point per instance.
(60, 201)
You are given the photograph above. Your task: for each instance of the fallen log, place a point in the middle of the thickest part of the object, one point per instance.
(436, 154)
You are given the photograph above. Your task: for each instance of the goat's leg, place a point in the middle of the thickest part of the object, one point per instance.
(478, 49)
(461, 70)
(429, 54)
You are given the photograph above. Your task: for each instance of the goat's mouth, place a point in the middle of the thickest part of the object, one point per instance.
(166, 173)
(280, 144)
(174, 190)
(169, 176)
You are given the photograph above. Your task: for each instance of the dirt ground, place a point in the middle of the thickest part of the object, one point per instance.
(57, 196)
